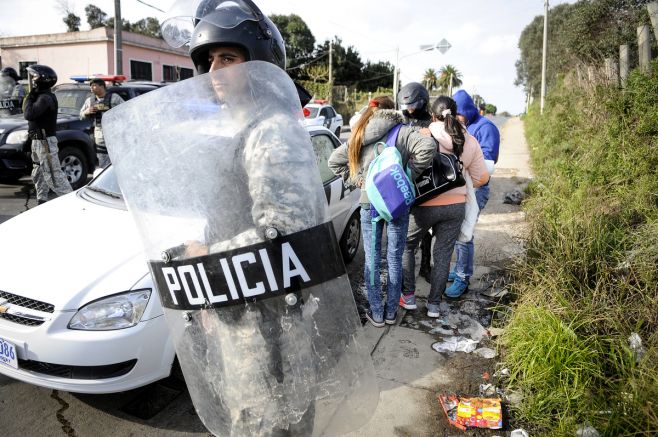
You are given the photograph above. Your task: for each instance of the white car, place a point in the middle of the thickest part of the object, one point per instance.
(357, 115)
(320, 113)
(86, 318)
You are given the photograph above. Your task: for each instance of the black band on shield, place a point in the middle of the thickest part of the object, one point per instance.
(266, 270)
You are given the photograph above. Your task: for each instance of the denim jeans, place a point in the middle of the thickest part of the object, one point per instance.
(465, 251)
(396, 233)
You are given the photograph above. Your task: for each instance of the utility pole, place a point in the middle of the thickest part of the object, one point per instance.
(543, 59)
(331, 71)
(450, 86)
(396, 72)
(118, 50)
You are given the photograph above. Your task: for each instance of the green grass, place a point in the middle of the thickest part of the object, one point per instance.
(590, 277)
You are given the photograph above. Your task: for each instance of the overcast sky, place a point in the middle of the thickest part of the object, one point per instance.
(484, 34)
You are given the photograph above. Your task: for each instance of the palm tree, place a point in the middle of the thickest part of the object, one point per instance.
(430, 79)
(449, 78)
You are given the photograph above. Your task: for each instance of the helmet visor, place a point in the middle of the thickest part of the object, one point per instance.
(183, 16)
(413, 105)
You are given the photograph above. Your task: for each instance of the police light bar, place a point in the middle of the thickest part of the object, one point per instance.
(320, 101)
(106, 78)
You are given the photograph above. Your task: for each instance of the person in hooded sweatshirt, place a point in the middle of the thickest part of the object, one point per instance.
(350, 161)
(444, 213)
(487, 134)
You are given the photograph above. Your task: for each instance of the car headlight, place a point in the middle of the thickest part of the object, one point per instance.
(114, 312)
(17, 137)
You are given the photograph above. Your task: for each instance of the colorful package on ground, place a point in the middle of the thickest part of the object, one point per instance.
(466, 412)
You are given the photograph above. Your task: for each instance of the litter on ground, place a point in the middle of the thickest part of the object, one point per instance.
(472, 412)
(455, 344)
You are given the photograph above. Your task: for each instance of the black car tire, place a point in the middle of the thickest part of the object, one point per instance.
(349, 241)
(338, 132)
(75, 166)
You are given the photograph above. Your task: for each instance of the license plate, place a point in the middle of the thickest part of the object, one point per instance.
(8, 354)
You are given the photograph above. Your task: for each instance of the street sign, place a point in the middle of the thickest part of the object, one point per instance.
(443, 46)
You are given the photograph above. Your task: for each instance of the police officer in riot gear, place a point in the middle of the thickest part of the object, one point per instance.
(9, 72)
(414, 100)
(40, 110)
(9, 103)
(272, 391)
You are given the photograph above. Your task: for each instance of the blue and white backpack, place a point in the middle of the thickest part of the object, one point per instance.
(388, 186)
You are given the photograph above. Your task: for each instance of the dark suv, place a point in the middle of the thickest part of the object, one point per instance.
(76, 144)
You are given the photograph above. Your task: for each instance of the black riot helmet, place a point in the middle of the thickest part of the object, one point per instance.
(9, 72)
(413, 96)
(206, 23)
(41, 77)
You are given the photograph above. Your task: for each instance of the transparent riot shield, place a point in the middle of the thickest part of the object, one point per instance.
(222, 182)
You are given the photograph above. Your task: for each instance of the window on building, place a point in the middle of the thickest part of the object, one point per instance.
(140, 70)
(22, 68)
(168, 73)
(186, 73)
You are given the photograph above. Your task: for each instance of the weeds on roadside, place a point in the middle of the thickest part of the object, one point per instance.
(590, 277)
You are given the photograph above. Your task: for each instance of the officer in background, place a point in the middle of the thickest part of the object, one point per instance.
(414, 102)
(94, 107)
(8, 80)
(40, 110)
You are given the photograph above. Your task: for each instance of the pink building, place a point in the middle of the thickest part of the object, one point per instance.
(92, 52)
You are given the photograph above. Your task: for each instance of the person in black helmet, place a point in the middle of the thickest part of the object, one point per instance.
(225, 34)
(40, 110)
(10, 96)
(414, 102)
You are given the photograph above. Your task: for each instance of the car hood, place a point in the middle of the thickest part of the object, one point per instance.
(9, 122)
(69, 252)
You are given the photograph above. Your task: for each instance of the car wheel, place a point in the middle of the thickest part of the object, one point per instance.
(349, 242)
(337, 132)
(74, 165)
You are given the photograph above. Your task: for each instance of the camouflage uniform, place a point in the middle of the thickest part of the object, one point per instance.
(109, 101)
(47, 172)
(41, 113)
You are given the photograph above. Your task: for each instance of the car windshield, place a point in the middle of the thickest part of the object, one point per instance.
(71, 100)
(312, 111)
(106, 183)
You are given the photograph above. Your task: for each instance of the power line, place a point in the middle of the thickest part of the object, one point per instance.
(151, 6)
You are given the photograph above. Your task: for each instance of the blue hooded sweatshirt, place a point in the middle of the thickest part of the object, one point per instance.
(480, 127)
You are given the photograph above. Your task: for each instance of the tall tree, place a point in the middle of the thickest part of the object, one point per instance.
(430, 79)
(580, 33)
(147, 26)
(449, 78)
(376, 75)
(72, 22)
(95, 16)
(347, 63)
(298, 39)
